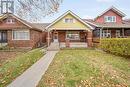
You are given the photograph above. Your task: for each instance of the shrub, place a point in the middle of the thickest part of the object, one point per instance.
(118, 46)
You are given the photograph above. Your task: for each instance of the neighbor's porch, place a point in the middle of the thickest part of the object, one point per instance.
(71, 38)
(100, 33)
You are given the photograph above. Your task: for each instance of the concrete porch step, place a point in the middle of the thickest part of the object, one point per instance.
(54, 47)
(75, 45)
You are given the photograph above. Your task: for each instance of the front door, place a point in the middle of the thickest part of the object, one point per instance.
(55, 37)
(3, 36)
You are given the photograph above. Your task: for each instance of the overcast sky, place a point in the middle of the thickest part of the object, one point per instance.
(89, 8)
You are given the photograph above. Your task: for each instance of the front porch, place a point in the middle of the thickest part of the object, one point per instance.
(70, 38)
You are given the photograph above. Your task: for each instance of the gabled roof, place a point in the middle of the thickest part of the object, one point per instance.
(113, 9)
(36, 26)
(70, 12)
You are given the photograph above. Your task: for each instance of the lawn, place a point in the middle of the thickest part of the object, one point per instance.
(5, 56)
(13, 67)
(87, 68)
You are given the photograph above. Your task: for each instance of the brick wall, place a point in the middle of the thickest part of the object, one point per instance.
(109, 13)
(36, 37)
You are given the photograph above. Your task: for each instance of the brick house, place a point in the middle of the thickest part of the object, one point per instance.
(110, 24)
(16, 32)
(69, 30)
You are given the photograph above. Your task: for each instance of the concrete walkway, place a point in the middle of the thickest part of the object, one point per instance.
(32, 76)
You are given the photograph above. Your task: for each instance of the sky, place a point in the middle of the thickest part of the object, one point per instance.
(89, 8)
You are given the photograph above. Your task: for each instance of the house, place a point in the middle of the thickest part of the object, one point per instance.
(110, 24)
(68, 30)
(16, 32)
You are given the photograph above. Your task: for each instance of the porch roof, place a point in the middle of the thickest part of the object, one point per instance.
(75, 29)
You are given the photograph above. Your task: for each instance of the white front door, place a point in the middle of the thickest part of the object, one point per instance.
(55, 37)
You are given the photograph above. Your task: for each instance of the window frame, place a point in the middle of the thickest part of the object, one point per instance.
(24, 30)
(10, 21)
(72, 33)
(70, 20)
(113, 19)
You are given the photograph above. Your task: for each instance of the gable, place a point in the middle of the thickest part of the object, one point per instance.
(17, 24)
(60, 24)
(100, 19)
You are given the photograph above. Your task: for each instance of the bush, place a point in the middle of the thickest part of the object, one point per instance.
(118, 46)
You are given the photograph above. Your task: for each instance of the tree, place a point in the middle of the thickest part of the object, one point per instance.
(35, 9)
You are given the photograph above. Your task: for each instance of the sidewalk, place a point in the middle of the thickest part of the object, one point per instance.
(32, 76)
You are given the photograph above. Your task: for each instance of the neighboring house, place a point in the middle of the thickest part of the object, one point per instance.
(110, 24)
(19, 33)
(69, 30)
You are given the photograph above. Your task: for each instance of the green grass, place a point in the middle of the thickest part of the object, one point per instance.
(87, 68)
(13, 68)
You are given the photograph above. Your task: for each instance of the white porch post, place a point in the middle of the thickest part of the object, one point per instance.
(107, 32)
(101, 33)
(123, 33)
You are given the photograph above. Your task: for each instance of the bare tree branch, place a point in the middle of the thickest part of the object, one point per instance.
(37, 8)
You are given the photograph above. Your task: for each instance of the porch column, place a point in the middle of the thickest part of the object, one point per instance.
(123, 33)
(48, 38)
(89, 38)
(101, 33)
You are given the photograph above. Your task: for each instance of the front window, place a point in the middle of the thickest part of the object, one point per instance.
(106, 33)
(21, 35)
(118, 33)
(110, 18)
(73, 35)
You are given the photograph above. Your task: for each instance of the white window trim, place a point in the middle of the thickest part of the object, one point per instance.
(11, 22)
(105, 33)
(106, 19)
(20, 30)
(72, 39)
(73, 20)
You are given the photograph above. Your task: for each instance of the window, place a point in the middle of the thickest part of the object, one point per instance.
(69, 20)
(10, 21)
(21, 35)
(106, 33)
(118, 33)
(73, 35)
(110, 18)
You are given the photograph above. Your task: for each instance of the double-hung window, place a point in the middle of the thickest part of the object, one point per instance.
(21, 35)
(110, 18)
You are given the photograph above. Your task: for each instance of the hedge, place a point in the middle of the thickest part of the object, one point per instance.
(117, 46)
